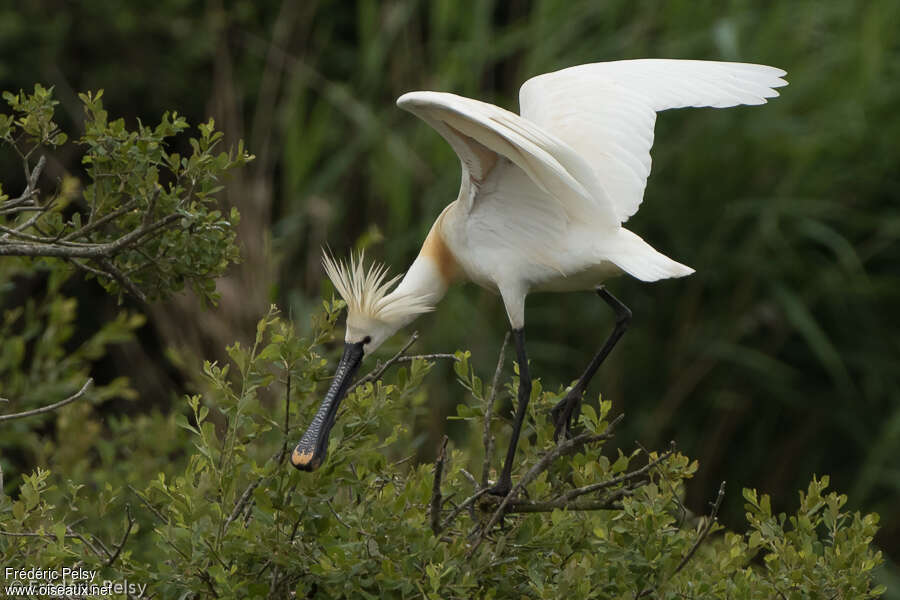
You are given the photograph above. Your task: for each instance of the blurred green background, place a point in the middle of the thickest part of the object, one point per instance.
(776, 360)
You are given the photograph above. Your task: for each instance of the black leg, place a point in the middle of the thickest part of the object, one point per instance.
(505, 483)
(566, 410)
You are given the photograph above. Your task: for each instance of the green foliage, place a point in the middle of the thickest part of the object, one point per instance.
(776, 360)
(146, 220)
(41, 363)
(234, 520)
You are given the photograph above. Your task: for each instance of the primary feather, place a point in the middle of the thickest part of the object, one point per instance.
(606, 111)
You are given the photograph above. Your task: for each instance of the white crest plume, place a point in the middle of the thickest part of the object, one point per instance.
(365, 290)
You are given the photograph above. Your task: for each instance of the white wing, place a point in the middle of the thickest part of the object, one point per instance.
(606, 111)
(479, 132)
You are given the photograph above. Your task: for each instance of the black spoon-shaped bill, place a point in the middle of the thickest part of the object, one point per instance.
(310, 452)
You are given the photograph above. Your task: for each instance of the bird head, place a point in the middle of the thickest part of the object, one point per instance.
(374, 314)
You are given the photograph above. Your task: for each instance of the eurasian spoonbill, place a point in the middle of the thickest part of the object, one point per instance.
(540, 208)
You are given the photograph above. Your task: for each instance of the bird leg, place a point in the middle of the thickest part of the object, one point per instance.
(566, 410)
(503, 486)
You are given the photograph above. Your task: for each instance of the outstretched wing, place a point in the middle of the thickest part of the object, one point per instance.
(606, 111)
(480, 133)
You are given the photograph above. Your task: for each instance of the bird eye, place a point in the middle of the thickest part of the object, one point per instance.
(367, 339)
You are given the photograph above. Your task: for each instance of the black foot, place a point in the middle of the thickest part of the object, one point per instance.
(565, 413)
(501, 488)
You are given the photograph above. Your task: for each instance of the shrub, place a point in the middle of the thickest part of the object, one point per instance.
(234, 520)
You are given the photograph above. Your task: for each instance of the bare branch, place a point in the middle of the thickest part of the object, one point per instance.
(564, 447)
(379, 370)
(287, 416)
(487, 438)
(241, 503)
(707, 527)
(149, 506)
(704, 531)
(11, 206)
(436, 488)
(470, 478)
(90, 269)
(463, 506)
(49, 407)
(534, 506)
(80, 233)
(572, 494)
(94, 251)
(121, 545)
(122, 279)
(442, 355)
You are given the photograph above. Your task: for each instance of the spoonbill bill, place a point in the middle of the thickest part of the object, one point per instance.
(541, 205)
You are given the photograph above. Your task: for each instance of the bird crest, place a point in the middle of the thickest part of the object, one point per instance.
(366, 291)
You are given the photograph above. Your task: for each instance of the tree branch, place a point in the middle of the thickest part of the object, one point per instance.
(150, 506)
(704, 531)
(50, 407)
(122, 279)
(241, 503)
(463, 506)
(436, 488)
(535, 506)
(15, 205)
(707, 527)
(121, 545)
(379, 370)
(564, 447)
(95, 251)
(438, 356)
(572, 494)
(487, 438)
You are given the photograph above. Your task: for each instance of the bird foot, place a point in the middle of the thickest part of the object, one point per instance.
(501, 488)
(565, 414)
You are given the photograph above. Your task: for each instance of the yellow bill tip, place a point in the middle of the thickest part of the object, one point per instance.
(304, 459)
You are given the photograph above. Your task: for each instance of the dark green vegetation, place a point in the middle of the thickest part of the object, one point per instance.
(229, 518)
(774, 362)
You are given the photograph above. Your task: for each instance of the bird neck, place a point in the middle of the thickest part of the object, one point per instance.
(423, 280)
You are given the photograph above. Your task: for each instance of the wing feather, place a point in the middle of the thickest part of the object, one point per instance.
(471, 127)
(606, 111)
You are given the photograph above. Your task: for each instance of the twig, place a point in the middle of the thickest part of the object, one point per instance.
(707, 527)
(90, 269)
(704, 531)
(681, 507)
(436, 488)
(336, 515)
(377, 371)
(287, 418)
(438, 356)
(122, 279)
(572, 494)
(146, 503)
(31, 190)
(535, 506)
(49, 407)
(94, 251)
(470, 478)
(239, 505)
(564, 447)
(463, 506)
(207, 579)
(487, 438)
(33, 534)
(121, 545)
(80, 233)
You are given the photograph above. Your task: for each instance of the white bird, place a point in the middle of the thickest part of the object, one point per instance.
(541, 205)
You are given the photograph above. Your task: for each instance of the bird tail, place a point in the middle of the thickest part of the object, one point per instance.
(639, 259)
